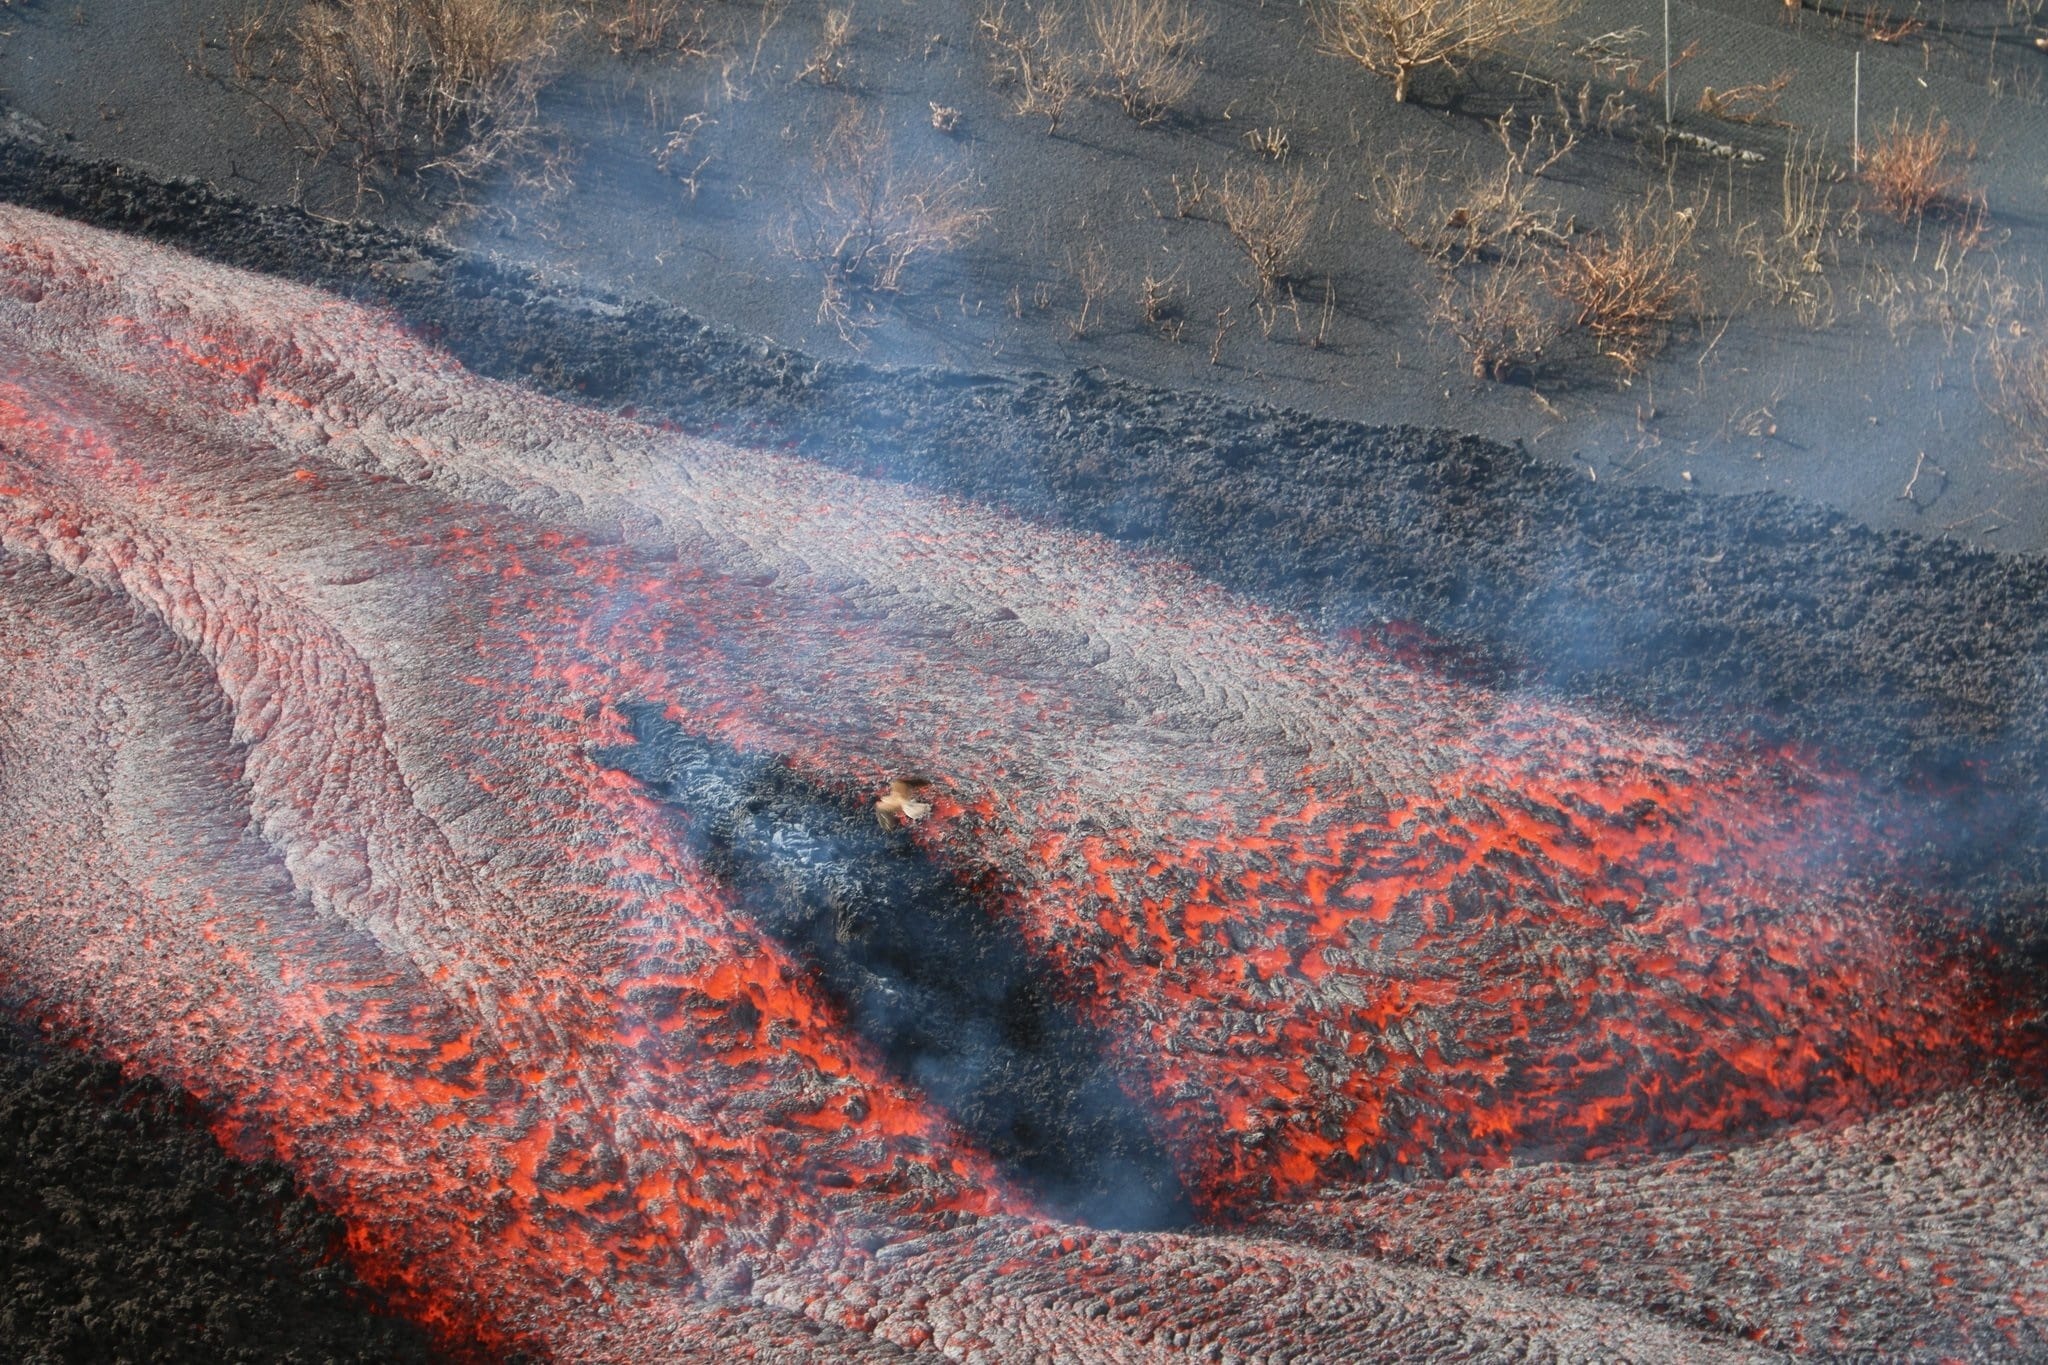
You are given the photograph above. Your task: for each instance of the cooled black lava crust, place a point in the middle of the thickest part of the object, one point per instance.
(1918, 662)
(127, 1235)
(951, 1000)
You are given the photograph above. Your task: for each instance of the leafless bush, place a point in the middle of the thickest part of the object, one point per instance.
(1961, 290)
(1614, 55)
(1271, 307)
(1191, 194)
(1452, 220)
(1094, 276)
(393, 87)
(1626, 288)
(678, 155)
(1225, 324)
(1912, 171)
(1144, 53)
(828, 60)
(1270, 142)
(1029, 57)
(1498, 315)
(1162, 300)
(1398, 38)
(1887, 28)
(1269, 214)
(872, 217)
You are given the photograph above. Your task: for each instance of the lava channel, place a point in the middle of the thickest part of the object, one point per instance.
(321, 653)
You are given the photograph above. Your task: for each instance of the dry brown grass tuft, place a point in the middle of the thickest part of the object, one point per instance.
(1397, 38)
(1753, 103)
(1788, 260)
(1499, 317)
(1269, 214)
(1912, 171)
(1144, 53)
(872, 217)
(1627, 288)
(394, 87)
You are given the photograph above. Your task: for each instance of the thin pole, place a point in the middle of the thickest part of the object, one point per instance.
(1855, 115)
(1667, 63)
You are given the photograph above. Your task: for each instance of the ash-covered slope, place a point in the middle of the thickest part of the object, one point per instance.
(312, 637)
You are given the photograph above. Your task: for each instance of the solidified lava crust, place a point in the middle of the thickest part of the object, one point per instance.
(1917, 660)
(132, 1238)
(313, 637)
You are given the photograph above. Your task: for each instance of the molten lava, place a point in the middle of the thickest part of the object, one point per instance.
(311, 640)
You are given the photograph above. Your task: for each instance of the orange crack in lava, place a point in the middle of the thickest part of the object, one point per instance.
(311, 830)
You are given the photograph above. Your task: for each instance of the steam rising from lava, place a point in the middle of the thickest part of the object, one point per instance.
(310, 639)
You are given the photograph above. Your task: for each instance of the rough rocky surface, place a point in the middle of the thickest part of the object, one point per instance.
(314, 636)
(131, 1237)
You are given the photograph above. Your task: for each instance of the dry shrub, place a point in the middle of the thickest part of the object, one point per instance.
(652, 26)
(1398, 38)
(1962, 290)
(1788, 260)
(1499, 315)
(1095, 277)
(1451, 220)
(1753, 103)
(1270, 142)
(872, 217)
(1144, 53)
(1028, 57)
(394, 87)
(1163, 301)
(1912, 170)
(1269, 214)
(1627, 288)
(2019, 397)
(829, 59)
(1139, 53)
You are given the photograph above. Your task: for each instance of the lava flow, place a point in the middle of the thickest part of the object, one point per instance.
(321, 654)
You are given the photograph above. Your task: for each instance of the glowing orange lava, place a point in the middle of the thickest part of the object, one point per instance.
(311, 635)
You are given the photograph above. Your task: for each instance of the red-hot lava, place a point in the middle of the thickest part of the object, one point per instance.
(309, 635)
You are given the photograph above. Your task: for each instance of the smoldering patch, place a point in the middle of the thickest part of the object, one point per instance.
(955, 1003)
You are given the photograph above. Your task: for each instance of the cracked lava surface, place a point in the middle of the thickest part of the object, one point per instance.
(309, 638)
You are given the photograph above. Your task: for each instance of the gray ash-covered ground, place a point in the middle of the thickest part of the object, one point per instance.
(685, 174)
(1915, 660)
(131, 1237)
